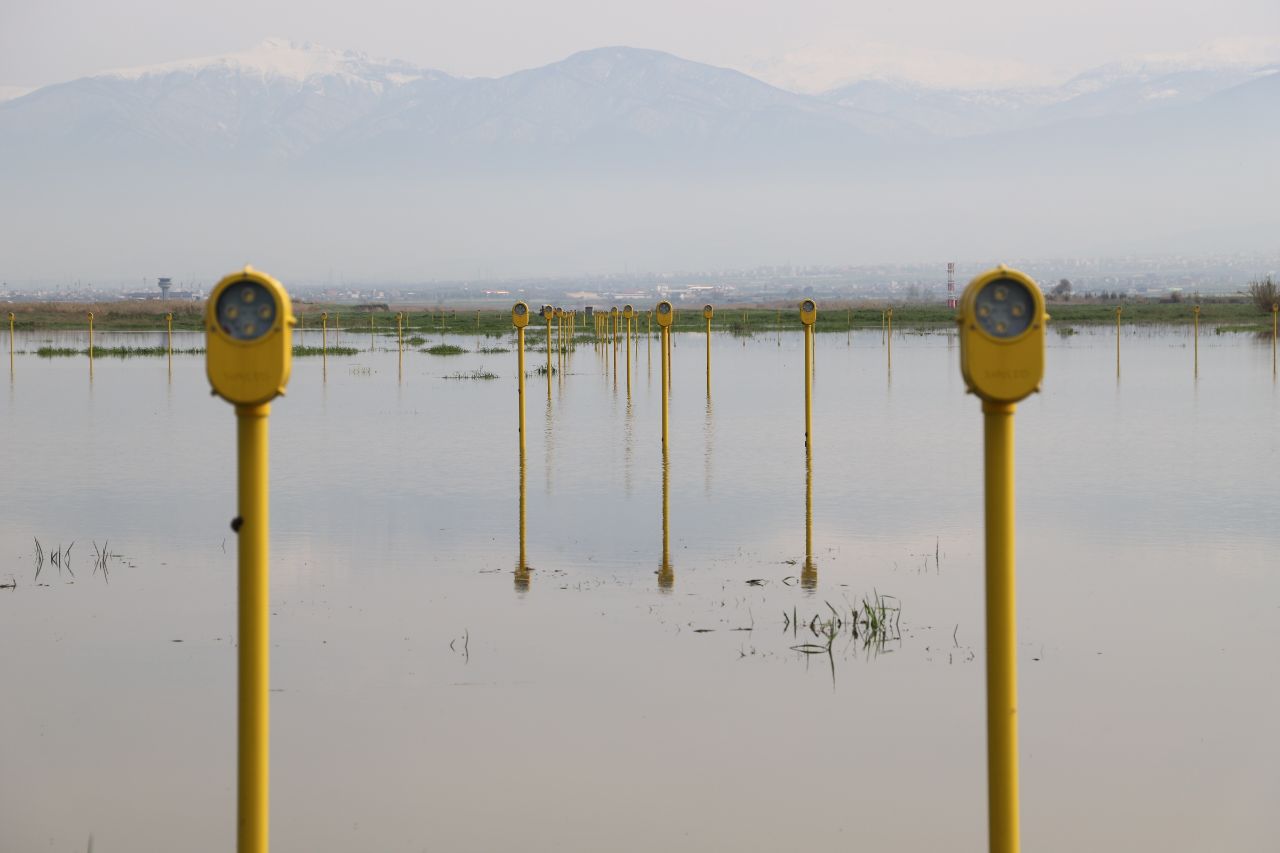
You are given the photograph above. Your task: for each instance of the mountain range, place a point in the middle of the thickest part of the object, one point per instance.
(693, 164)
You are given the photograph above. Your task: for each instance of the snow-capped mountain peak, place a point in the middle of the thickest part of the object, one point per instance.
(283, 59)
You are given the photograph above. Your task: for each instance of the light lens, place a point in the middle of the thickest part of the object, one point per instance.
(1004, 308)
(808, 305)
(246, 311)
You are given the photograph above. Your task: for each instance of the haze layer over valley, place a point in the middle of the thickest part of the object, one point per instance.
(306, 159)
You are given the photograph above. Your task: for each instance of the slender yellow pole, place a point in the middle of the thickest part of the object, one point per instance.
(628, 319)
(808, 387)
(1196, 313)
(1118, 310)
(666, 576)
(253, 711)
(666, 334)
(888, 315)
(1275, 309)
(168, 321)
(809, 571)
(1002, 663)
(90, 346)
(848, 339)
(522, 563)
(670, 363)
(324, 334)
(520, 394)
(708, 357)
(371, 343)
(400, 331)
(11, 341)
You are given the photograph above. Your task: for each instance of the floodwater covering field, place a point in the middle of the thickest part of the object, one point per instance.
(429, 695)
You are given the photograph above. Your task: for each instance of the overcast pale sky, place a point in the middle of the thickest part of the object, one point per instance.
(801, 44)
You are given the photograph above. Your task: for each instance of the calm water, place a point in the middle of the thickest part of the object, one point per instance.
(429, 696)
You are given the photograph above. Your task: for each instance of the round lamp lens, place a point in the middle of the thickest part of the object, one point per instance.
(246, 311)
(808, 305)
(1005, 308)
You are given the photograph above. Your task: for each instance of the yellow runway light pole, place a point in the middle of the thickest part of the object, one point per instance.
(400, 330)
(520, 319)
(11, 319)
(707, 312)
(613, 341)
(1118, 310)
(666, 573)
(522, 562)
(168, 322)
(1196, 313)
(627, 314)
(808, 316)
(671, 321)
(648, 340)
(548, 313)
(1275, 309)
(1002, 345)
(664, 324)
(888, 319)
(248, 326)
(324, 346)
(809, 571)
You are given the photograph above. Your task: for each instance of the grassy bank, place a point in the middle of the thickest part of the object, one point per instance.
(421, 325)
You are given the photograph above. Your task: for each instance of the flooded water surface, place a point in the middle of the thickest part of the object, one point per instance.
(441, 683)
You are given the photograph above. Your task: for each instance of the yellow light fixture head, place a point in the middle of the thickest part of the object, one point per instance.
(547, 312)
(1002, 320)
(666, 315)
(707, 311)
(613, 310)
(520, 315)
(249, 338)
(808, 312)
(628, 312)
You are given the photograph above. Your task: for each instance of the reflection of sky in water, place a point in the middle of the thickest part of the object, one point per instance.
(588, 708)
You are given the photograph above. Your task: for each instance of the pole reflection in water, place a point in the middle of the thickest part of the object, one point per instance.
(548, 440)
(710, 430)
(666, 574)
(809, 572)
(522, 563)
(628, 440)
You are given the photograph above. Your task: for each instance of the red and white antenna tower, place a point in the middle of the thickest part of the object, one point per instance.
(951, 284)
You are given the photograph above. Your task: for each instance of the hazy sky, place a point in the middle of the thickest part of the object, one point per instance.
(802, 44)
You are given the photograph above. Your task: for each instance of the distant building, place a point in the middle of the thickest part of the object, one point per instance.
(165, 284)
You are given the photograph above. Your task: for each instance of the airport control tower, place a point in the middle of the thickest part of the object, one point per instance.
(165, 284)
